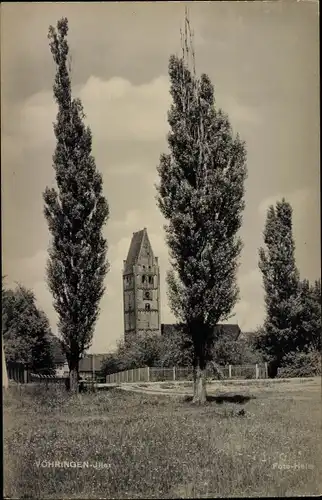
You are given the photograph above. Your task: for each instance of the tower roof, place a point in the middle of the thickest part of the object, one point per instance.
(136, 246)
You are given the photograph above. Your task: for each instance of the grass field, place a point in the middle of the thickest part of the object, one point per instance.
(155, 446)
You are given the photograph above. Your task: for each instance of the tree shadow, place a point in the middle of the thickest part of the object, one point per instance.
(225, 398)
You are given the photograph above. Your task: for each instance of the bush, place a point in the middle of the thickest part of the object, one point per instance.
(301, 364)
(149, 350)
(235, 352)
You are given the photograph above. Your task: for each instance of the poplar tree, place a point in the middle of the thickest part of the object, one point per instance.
(76, 212)
(282, 329)
(201, 196)
(310, 315)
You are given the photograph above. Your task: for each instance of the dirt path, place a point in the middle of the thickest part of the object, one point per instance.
(277, 387)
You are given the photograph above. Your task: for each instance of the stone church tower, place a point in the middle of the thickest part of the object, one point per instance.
(141, 288)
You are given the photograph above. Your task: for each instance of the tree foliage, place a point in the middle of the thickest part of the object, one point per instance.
(310, 315)
(26, 330)
(201, 195)
(235, 352)
(293, 308)
(149, 350)
(301, 364)
(76, 212)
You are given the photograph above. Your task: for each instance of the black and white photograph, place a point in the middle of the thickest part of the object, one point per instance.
(161, 249)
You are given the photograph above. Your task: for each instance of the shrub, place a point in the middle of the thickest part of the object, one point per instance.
(301, 364)
(235, 352)
(149, 350)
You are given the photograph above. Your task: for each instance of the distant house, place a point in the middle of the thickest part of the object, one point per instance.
(247, 336)
(91, 363)
(227, 331)
(224, 331)
(168, 329)
(87, 365)
(60, 361)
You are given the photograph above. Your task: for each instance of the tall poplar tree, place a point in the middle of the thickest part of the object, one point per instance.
(76, 212)
(282, 327)
(201, 196)
(310, 315)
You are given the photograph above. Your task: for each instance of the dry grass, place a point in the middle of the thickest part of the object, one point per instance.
(160, 447)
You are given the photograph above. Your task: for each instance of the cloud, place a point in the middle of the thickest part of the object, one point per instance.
(249, 311)
(118, 110)
(115, 110)
(125, 170)
(127, 224)
(239, 114)
(297, 199)
(33, 268)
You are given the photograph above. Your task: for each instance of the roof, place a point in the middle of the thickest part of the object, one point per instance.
(140, 247)
(249, 336)
(85, 364)
(230, 332)
(168, 329)
(134, 249)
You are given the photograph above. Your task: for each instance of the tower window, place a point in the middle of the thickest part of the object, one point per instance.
(143, 278)
(147, 295)
(150, 279)
(147, 307)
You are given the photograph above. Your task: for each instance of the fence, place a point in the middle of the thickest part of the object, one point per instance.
(46, 379)
(18, 372)
(21, 373)
(147, 374)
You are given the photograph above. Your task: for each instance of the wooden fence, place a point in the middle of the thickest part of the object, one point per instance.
(147, 374)
(18, 372)
(46, 379)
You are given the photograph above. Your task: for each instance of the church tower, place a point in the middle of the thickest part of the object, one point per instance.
(141, 288)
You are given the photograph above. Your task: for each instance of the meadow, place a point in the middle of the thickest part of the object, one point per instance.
(136, 445)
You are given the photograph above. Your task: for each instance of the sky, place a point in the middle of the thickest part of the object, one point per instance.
(262, 58)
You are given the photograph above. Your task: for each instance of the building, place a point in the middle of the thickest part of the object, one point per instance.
(227, 331)
(59, 357)
(91, 364)
(141, 288)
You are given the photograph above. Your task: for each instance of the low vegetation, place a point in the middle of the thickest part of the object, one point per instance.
(161, 447)
(301, 364)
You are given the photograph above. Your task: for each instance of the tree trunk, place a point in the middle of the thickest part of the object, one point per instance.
(73, 381)
(273, 368)
(5, 382)
(73, 378)
(199, 383)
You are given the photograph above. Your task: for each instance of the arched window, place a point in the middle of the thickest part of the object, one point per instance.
(143, 278)
(147, 307)
(150, 280)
